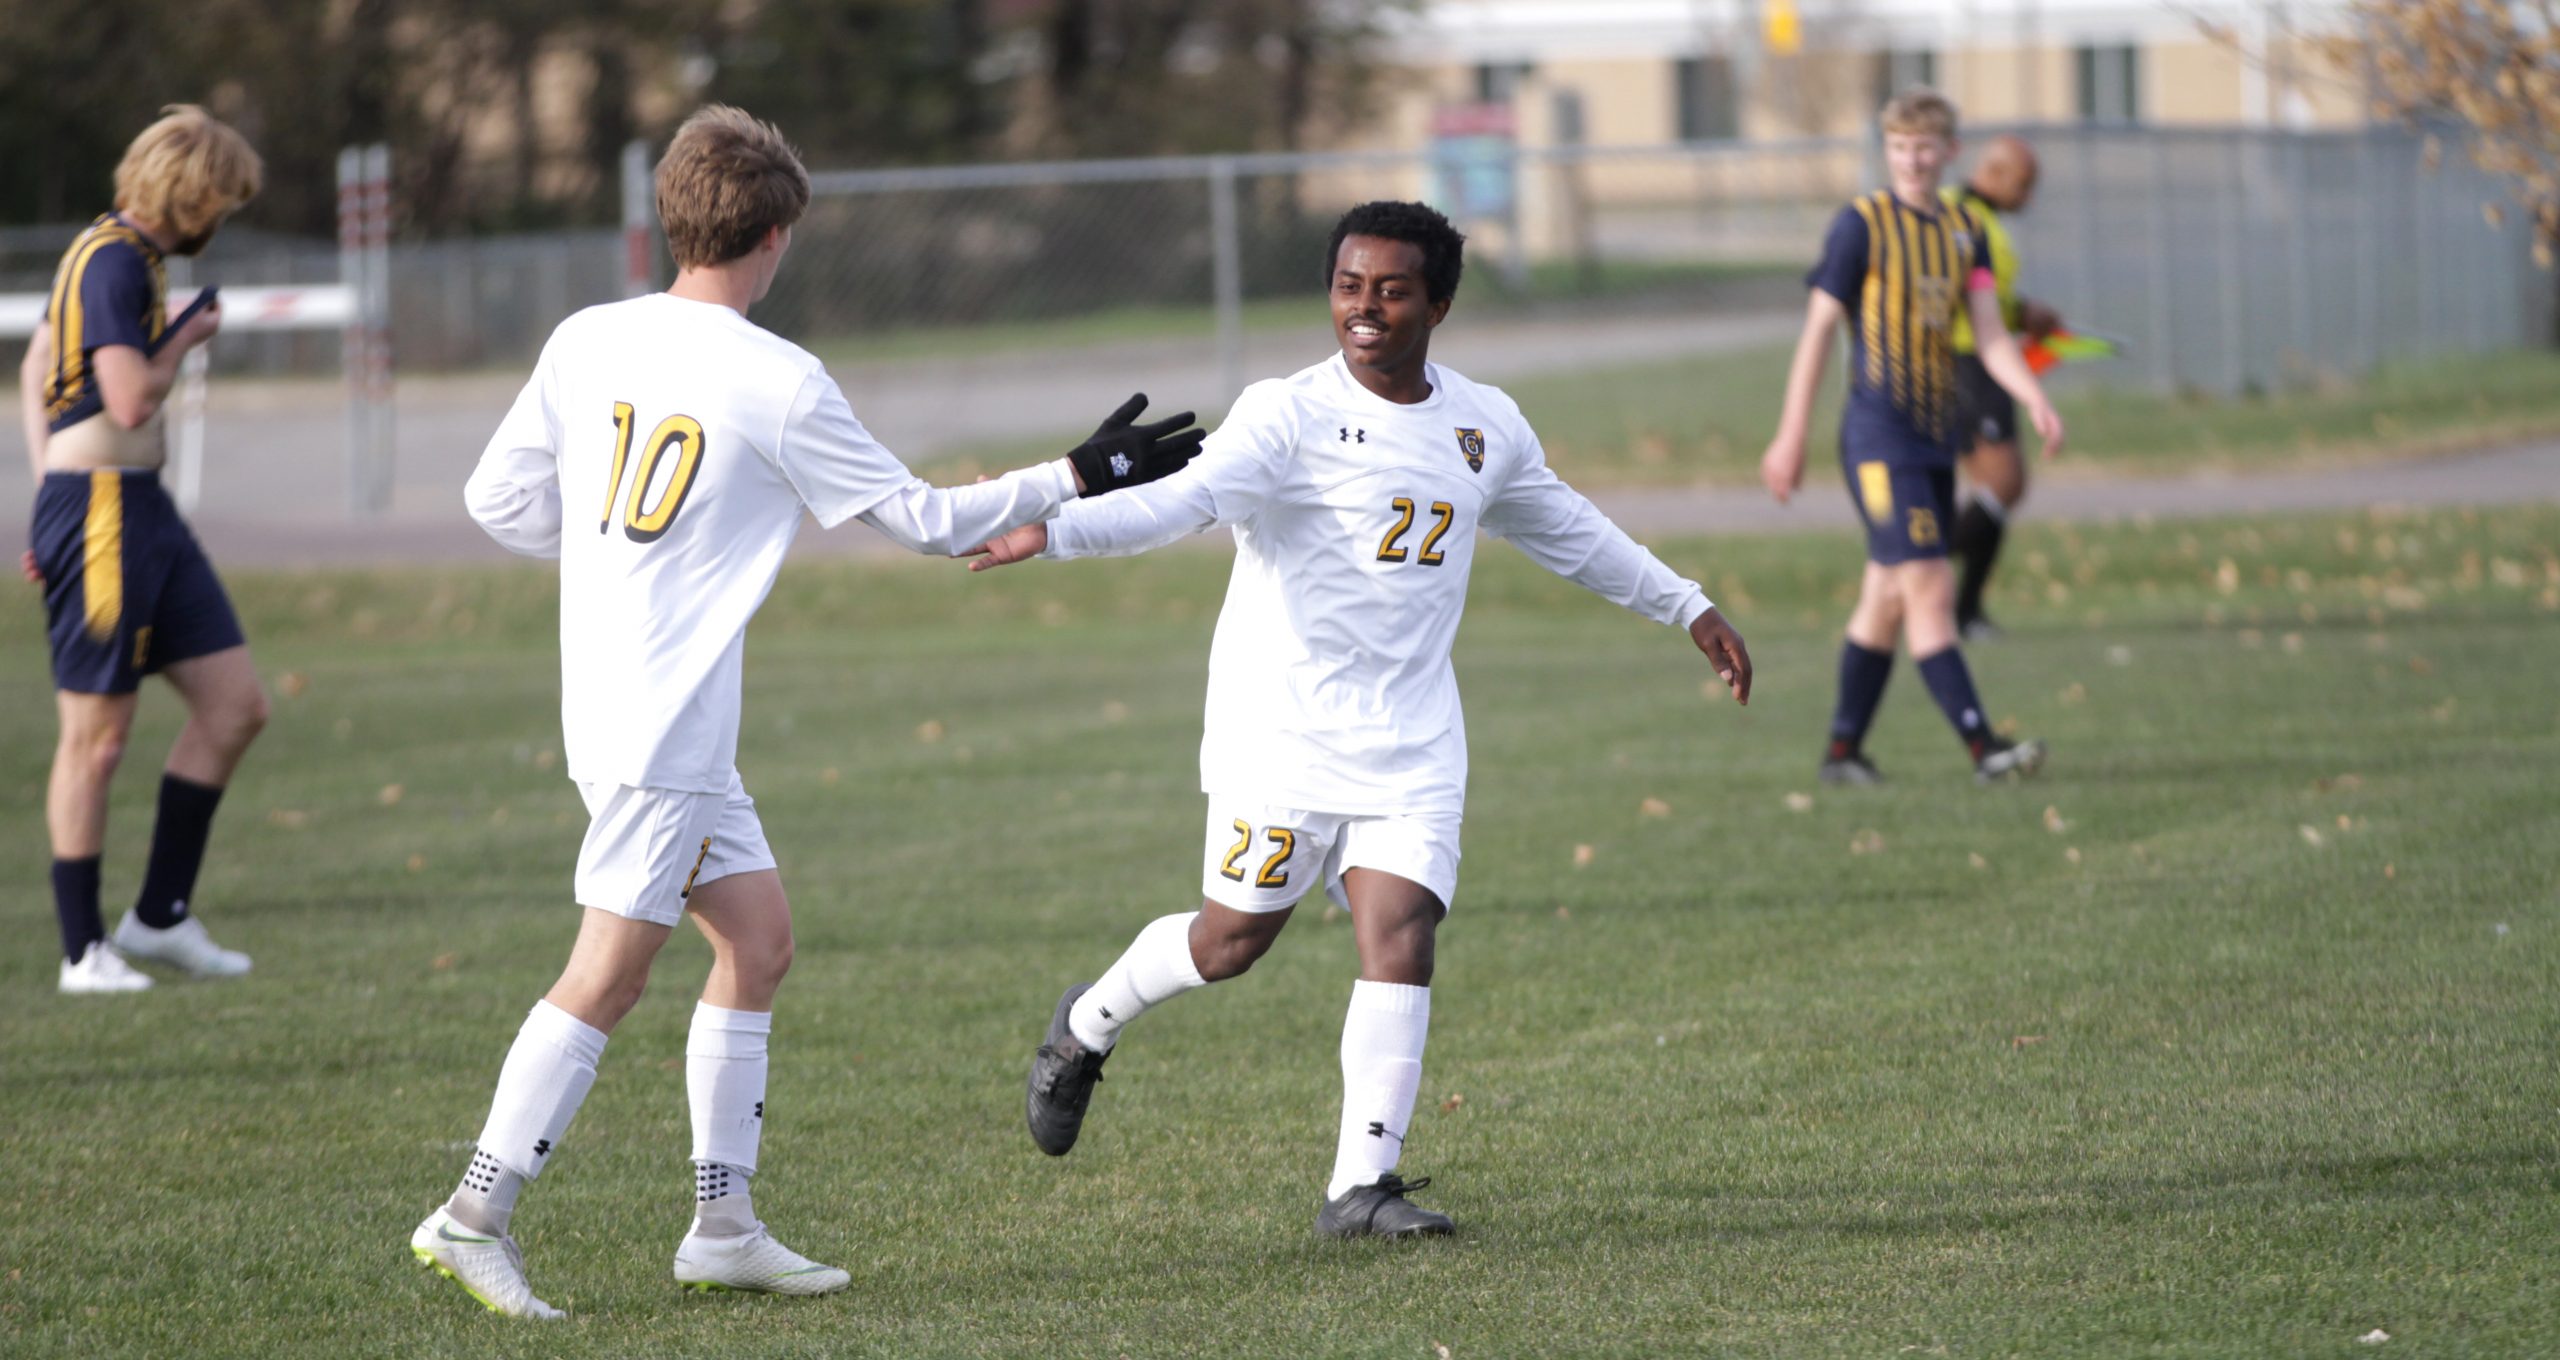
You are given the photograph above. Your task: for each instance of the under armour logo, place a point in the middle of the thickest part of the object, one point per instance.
(1120, 465)
(1378, 1129)
(542, 1147)
(1106, 1011)
(1352, 436)
(759, 1109)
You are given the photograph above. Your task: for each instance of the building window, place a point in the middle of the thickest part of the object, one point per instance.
(2109, 81)
(1497, 82)
(1710, 103)
(1901, 68)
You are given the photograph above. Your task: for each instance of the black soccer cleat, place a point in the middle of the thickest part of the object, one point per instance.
(2004, 759)
(1062, 1076)
(1853, 770)
(1381, 1210)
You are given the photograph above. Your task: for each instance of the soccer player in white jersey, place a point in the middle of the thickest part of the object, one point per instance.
(690, 442)
(1334, 754)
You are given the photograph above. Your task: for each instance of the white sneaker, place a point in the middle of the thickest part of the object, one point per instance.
(101, 970)
(489, 1269)
(185, 946)
(754, 1262)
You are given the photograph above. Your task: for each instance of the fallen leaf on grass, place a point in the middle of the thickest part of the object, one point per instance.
(444, 961)
(545, 759)
(1654, 807)
(1450, 1106)
(1799, 802)
(2251, 637)
(2419, 665)
(417, 864)
(2119, 656)
(2292, 644)
(2345, 783)
(391, 795)
(2074, 696)
(2391, 871)
(291, 819)
(930, 731)
(2025, 1040)
(2344, 823)
(2312, 837)
(1582, 856)
(830, 776)
(2053, 820)
(1974, 858)
(1564, 913)
(1711, 690)
(1438, 1350)
(2071, 854)
(1114, 711)
(1868, 841)
(291, 684)
(2372, 1338)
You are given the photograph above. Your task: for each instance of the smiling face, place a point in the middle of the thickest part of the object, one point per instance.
(1382, 312)
(1914, 161)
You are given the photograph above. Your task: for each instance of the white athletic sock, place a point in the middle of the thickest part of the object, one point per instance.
(724, 1076)
(548, 1072)
(1382, 1041)
(1156, 969)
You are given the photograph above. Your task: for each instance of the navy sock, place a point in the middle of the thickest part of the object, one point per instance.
(1862, 676)
(177, 850)
(75, 905)
(1951, 684)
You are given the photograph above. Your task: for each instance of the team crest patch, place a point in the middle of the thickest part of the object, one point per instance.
(1471, 444)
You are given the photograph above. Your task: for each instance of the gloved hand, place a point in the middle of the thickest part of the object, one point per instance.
(1123, 455)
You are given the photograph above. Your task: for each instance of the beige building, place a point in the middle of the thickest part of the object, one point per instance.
(1647, 72)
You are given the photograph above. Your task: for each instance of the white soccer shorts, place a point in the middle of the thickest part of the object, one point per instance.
(648, 849)
(1258, 858)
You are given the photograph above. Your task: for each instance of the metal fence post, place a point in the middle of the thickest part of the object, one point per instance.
(2163, 346)
(353, 349)
(2297, 254)
(2235, 351)
(1227, 274)
(375, 490)
(639, 236)
(2368, 256)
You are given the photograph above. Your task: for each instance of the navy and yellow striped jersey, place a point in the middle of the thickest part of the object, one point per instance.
(110, 290)
(1902, 274)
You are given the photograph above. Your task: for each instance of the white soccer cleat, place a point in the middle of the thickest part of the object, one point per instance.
(185, 946)
(99, 971)
(754, 1262)
(489, 1269)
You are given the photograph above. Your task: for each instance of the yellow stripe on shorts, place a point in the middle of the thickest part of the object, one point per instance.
(102, 555)
(1875, 490)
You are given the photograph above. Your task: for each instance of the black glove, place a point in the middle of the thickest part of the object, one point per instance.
(1122, 455)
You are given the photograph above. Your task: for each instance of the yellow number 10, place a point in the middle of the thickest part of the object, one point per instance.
(640, 523)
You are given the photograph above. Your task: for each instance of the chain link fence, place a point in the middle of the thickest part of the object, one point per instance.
(2229, 261)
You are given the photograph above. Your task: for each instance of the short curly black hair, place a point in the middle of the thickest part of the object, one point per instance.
(1416, 224)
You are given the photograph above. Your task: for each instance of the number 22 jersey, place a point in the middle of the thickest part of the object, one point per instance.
(1355, 520)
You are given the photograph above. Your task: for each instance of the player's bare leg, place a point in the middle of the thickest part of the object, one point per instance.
(1928, 591)
(1396, 923)
(226, 709)
(95, 728)
(1996, 478)
(1173, 955)
(1866, 663)
(547, 1074)
(747, 919)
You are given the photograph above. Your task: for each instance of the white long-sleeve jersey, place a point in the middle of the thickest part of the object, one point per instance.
(1355, 519)
(689, 441)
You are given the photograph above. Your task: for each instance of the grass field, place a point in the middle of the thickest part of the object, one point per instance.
(1695, 422)
(2231, 1036)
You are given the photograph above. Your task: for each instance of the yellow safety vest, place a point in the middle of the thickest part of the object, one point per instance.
(2004, 265)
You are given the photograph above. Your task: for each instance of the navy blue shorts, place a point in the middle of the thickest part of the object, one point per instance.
(1907, 509)
(126, 588)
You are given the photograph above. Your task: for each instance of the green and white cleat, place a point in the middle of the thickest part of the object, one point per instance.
(489, 1269)
(754, 1263)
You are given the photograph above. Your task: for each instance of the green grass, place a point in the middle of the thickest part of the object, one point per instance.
(1705, 422)
(2251, 1057)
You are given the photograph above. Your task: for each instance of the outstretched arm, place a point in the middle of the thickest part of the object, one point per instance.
(1560, 529)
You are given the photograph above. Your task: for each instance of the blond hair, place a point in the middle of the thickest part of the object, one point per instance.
(187, 172)
(1921, 110)
(725, 181)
